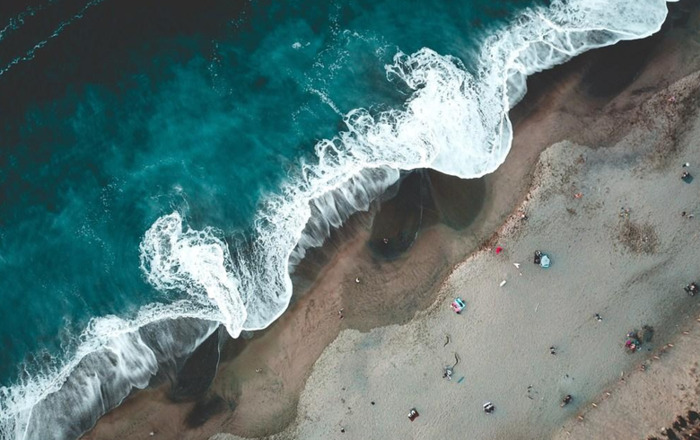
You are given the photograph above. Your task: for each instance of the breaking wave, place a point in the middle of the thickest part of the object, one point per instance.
(114, 357)
(455, 121)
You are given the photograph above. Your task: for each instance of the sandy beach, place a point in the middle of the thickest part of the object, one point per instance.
(595, 166)
(502, 341)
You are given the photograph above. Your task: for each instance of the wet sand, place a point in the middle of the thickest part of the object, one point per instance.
(389, 341)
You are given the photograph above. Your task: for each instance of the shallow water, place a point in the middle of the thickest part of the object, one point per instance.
(124, 124)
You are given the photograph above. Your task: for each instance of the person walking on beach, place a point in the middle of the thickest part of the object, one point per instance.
(566, 400)
(552, 350)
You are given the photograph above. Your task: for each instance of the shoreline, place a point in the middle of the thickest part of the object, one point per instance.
(398, 366)
(312, 323)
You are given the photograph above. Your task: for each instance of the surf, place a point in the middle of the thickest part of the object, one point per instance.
(455, 122)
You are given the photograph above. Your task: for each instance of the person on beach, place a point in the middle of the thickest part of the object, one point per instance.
(538, 257)
(552, 350)
(447, 373)
(598, 317)
(489, 408)
(566, 400)
(691, 289)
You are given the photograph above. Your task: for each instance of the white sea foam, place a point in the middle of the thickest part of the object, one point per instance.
(115, 356)
(196, 262)
(333, 208)
(455, 122)
(17, 22)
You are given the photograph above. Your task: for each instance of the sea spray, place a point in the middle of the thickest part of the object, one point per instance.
(455, 121)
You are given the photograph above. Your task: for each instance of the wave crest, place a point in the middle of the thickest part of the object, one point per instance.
(456, 122)
(196, 262)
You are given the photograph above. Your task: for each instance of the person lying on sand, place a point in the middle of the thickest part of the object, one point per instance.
(691, 289)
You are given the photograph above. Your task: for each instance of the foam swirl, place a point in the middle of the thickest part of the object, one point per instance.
(196, 262)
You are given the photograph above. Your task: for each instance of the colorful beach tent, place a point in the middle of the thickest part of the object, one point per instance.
(458, 305)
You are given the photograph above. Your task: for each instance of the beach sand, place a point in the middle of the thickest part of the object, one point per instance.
(502, 340)
(648, 401)
(625, 133)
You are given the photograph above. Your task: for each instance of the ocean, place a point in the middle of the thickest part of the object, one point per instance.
(164, 167)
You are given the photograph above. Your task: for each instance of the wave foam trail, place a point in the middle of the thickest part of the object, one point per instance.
(19, 20)
(456, 122)
(333, 208)
(196, 262)
(115, 357)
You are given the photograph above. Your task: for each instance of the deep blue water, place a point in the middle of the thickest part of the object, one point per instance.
(114, 114)
(138, 108)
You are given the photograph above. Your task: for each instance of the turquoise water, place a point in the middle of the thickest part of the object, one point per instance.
(202, 113)
(126, 112)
